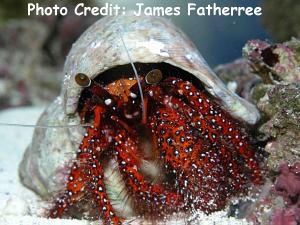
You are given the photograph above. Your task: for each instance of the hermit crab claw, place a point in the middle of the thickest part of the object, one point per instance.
(112, 42)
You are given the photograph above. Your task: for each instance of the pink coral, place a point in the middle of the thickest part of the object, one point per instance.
(287, 186)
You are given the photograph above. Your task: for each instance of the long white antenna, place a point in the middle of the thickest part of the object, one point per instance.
(134, 70)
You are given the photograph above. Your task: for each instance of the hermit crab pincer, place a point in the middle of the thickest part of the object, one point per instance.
(170, 134)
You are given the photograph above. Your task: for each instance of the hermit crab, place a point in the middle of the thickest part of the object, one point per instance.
(142, 127)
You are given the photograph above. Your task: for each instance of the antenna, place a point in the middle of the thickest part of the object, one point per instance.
(134, 70)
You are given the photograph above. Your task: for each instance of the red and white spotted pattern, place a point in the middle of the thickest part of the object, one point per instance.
(206, 154)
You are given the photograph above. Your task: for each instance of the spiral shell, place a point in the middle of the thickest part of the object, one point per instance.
(100, 48)
(148, 40)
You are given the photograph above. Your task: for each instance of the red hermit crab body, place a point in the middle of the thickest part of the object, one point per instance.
(200, 148)
(176, 137)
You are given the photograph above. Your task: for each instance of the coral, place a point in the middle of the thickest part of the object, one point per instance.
(274, 63)
(287, 186)
(276, 95)
(281, 104)
(279, 101)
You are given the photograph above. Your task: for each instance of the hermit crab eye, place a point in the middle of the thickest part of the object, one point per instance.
(82, 80)
(154, 76)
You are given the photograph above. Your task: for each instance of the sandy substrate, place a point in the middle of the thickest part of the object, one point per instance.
(20, 206)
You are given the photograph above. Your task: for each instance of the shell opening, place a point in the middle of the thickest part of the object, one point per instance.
(144, 69)
(121, 80)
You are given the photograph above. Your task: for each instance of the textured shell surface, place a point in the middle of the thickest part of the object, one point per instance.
(147, 40)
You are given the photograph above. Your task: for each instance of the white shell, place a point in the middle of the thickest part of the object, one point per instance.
(148, 40)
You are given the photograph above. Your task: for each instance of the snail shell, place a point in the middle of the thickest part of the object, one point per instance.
(148, 40)
(100, 48)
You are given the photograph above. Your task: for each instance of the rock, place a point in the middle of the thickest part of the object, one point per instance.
(287, 186)
(238, 77)
(274, 63)
(277, 96)
(281, 104)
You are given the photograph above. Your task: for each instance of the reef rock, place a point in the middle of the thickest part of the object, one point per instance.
(277, 96)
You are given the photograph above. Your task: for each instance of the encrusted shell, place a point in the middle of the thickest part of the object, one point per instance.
(147, 40)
